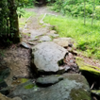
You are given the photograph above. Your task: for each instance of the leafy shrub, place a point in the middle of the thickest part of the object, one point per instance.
(76, 7)
(20, 12)
(26, 3)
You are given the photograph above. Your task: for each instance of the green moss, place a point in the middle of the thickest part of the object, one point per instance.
(20, 81)
(30, 86)
(80, 94)
(85, 67)
(23, 80)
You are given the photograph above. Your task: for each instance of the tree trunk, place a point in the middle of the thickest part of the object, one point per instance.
(93, 12)
(14, 26)
(84, 13)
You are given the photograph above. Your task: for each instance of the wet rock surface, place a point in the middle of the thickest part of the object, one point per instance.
(73, 87)
(47, 55)
(48, 80)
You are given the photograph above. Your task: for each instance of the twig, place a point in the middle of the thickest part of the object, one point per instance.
(95, 98)
(93, 85)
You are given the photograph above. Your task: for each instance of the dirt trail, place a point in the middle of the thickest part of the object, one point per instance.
(33, 26)
(41, 10)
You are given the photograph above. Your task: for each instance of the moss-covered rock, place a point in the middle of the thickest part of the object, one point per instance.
(30, 86)
(72, 87)
(48, 80)
(96, 92)
(93, 70)
(79, 94)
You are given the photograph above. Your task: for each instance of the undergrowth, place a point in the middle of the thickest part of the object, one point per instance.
(24, 16)
(86, 36)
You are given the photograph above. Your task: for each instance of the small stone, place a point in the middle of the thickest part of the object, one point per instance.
(67, 68)
(14, 78)
(70, 49)
(25, 45)
(48, 80)
(70, 45)
(45, 39)
(64, 42)
(53, 32)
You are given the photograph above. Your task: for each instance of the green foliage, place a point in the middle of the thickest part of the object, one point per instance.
(26, 3)
(25, 16)
(8, 21)
(76, 7)
(4, 12)
(86, 36)
(97, 12)
(20, 12)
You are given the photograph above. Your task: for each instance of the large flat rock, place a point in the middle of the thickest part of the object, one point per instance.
(72, 87)
(46, 56)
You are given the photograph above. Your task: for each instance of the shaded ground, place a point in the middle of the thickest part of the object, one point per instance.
(18, 60)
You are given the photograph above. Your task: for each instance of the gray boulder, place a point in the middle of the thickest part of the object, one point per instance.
(72, 87)
(46, 56)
